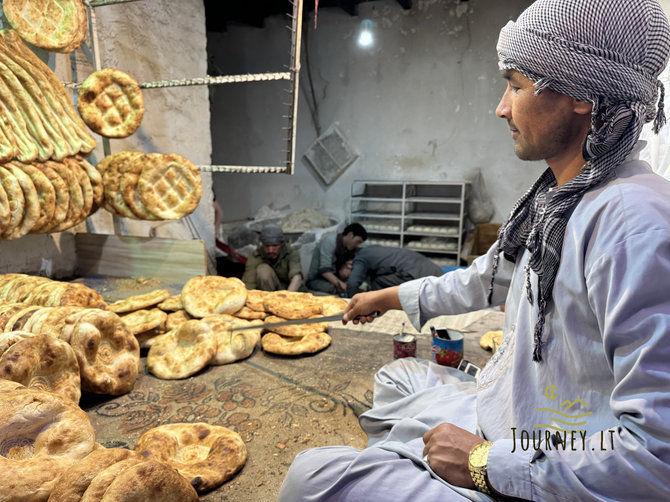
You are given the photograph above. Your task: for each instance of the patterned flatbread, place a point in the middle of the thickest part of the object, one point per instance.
(212, 294)
(54, 25)
(169, 185)
(313, 342)
(111, 103)
(290, 305)
(137, 302)
(143, 320)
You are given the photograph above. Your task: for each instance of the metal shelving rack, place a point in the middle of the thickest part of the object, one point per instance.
(425, 216)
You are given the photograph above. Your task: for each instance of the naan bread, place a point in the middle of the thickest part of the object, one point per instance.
(491, 340)
(295, 330)
(169, 186)
(313, 342)
(71, 484)
(212, 294)
(182, 352)
(138, 302)
(232, 345)
(150, 481)
(44, 363)
(145, 320)
(290, 305)
(108, 354)
(41, 436)
(110, 102)
(206, 455)
(54, 26)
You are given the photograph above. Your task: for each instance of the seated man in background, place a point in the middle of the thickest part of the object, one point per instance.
(329, 251)
(274, 265)
(382, 266)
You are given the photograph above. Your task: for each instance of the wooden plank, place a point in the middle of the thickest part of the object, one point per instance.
(152, 257)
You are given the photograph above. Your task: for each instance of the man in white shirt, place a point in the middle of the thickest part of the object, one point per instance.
(575, 403)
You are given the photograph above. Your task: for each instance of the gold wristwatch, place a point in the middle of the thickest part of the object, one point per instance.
(477, 464)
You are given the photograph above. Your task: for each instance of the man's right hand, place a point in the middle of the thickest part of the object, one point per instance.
(341, 286)
(364, 307)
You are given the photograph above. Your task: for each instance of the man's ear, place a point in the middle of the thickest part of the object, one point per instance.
(583, 107)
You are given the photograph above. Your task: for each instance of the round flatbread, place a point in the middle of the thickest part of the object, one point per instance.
(232, 345)
(71, 484)
(44, 363)
(206, 455)
(277, 344)
(182, 352)
(5, 212)
(491, 340)
(169, 186)
(212, 294)
(137, 302)
(41, 436)
(107, 353)
(295, 330)
(110, 102)
(31, 209)
(150, 481)
(16, 201)
(46, 195)
(47, 26)
(143, 320)
(172, 303)
(291, 305)
(62, 198)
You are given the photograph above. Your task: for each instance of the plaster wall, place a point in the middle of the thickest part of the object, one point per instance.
(419, 104)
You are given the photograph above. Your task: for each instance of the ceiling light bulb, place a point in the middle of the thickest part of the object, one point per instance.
(365, 37)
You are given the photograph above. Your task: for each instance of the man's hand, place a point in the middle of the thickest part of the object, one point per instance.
(341, 286)
(448, 448)
(363, 306)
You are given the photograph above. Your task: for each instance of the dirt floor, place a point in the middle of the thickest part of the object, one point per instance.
(279, 405)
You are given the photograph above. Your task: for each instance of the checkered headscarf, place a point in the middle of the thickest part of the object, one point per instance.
(608, 53)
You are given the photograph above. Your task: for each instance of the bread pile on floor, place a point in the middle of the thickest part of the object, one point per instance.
(187, 332)
(48, 452)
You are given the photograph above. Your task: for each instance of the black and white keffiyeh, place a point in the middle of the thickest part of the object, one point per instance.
(608, 53)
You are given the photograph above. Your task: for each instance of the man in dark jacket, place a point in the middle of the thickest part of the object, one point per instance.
(274, 265)
(382, 266)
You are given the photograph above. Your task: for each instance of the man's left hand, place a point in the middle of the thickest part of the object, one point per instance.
(448, 448)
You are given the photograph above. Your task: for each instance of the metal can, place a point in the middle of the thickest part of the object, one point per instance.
(404, 345)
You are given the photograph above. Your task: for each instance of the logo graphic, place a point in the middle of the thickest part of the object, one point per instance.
(569, 414)
(568, 423)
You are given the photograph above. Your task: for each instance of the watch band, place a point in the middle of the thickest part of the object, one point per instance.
(477, 463)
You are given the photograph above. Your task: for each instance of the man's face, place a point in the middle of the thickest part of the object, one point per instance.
(351, 241)
(544, 126)
(345, 270)
(272, 251)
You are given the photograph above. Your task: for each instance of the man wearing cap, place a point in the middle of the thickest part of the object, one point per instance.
(274, 265)
(575, 403)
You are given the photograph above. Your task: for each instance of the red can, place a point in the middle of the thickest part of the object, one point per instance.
(404, 345)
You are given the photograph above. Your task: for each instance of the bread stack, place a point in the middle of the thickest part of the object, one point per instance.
(150, 186)
(48, 453)
(301, 338)
(36, 290)
(46, 185)
(42, 435)
(106, 353)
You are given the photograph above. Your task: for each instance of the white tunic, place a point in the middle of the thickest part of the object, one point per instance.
(605, 374)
